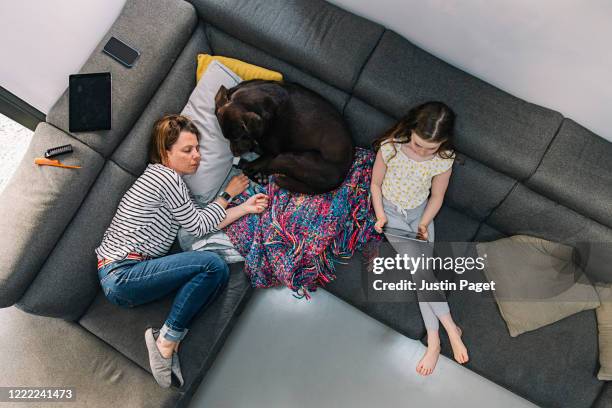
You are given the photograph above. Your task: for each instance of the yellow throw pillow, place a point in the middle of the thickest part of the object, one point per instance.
(244, 70)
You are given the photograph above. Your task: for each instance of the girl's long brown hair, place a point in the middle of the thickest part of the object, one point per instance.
(432, 121)
(166, 132)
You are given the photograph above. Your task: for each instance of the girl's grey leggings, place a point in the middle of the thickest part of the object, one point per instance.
(408, 220)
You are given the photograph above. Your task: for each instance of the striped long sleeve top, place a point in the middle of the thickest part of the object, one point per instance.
(150, 213)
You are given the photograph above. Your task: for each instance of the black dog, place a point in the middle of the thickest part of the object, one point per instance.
(298, 134)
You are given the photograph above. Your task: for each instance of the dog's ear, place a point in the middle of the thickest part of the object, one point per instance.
(253, 124)
(221, 97)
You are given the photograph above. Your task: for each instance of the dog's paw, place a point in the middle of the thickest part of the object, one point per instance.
(260, 178)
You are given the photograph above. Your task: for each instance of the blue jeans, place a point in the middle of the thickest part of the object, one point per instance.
(198, 275)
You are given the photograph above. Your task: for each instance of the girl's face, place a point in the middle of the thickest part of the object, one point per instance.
(422, 147)
(184, 155)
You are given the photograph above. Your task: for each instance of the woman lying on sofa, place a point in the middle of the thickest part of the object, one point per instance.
(132, 264)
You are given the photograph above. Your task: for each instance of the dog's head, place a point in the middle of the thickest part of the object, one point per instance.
(239, 125)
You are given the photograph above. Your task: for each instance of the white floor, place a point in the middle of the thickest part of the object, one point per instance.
(289, 353)
(14, 140)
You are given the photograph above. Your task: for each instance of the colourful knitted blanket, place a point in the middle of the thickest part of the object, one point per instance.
(297, 240)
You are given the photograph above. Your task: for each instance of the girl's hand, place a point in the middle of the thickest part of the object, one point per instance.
(256, 203)
(237, 185)
(422, 232)
(380, 223)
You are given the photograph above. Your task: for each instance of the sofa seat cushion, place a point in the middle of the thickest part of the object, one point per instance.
(316, 36)
(504, 132)
(158, 29)
(553, 366)
(577, 172)
(452, 225)
(46, 352)
(73, 259)
(37, 205)
(123, 328)
(399, 311)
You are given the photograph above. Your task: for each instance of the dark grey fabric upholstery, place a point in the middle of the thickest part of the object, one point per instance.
(46, 352)
(36, 207)
(171, 97)
(502, 131)
(319, 38)
(553, 366)
(487, 233)
(454, 226)
(365, 122)
(402, 314)
(73, 259)
(604, 400)
(158, 29)
(475, 189)
(224, 44)
(577, 172)
(528, 213)
(124, 328)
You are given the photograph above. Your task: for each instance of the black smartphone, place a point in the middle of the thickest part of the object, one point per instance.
(122, 52)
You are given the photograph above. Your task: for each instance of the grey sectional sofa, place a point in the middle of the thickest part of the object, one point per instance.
(525, 169)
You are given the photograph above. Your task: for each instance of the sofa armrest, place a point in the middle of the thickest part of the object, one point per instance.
(37, 205)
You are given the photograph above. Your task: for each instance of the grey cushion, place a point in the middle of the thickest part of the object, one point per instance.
(45, 352)
(537, 282)
(577, 172)
(504, 132)
(158, 29)
(553, 366)
(37, 205)
(73, 259)
(527, 213)
(365, 122)
(476, 189)
(226, 45)
(452, 225)
(319, 38)
(216, 157)
(398, 310)
(124, 328)
(171, 97)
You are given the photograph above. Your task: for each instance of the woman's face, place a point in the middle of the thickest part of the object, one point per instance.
(422, 147)
(184, 155)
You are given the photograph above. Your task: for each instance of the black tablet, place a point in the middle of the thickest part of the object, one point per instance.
(89, 102)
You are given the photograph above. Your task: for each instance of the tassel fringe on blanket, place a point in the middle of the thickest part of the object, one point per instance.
(298, 240)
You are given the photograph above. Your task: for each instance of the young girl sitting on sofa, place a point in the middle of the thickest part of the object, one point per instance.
(414, 158)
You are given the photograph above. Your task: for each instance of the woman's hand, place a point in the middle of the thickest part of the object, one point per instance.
(237, 185)
(256, 203)
(422, 232)
(380, 223)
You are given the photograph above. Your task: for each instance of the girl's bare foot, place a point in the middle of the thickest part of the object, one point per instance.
(177, 346)
(459, 350)
(429, 359)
